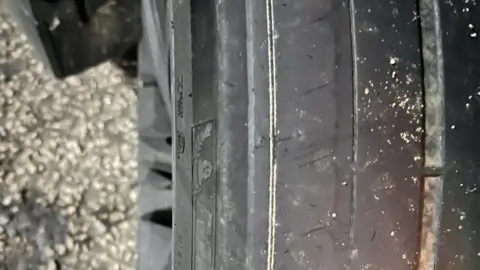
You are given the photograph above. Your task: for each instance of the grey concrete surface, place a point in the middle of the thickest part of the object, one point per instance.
(68, 167)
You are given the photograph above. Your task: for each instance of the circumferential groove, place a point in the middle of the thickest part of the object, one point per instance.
(272, 88)
(433, 83)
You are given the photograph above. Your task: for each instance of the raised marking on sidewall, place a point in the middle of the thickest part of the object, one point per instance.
(272, 88)
(434, 131)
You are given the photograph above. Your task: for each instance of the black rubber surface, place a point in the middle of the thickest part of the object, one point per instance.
(307, 118)
(314, 134)
(304, 154)
(460, 221)
(388, 135)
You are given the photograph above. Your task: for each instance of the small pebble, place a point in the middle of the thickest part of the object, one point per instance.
(48, 252)
(60, 249)
(4, 220)
(51, 265)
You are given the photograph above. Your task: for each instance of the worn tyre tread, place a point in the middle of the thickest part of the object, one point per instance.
(315, 113)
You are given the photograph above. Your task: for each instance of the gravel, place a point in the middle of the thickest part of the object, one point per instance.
(68, 167)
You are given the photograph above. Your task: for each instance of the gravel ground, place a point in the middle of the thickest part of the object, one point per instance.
(68, 167)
